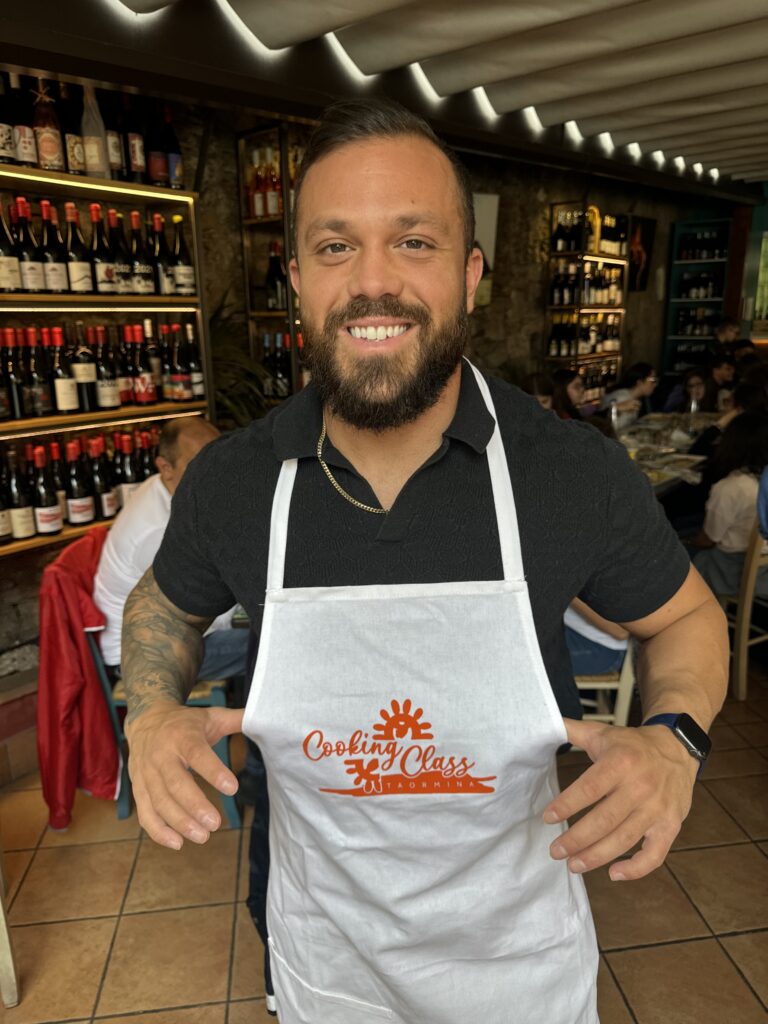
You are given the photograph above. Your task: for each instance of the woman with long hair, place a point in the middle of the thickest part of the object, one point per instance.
(697, 386)
(567, 393)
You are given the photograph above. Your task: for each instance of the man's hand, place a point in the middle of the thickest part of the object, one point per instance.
(166, 741)
(641, 786)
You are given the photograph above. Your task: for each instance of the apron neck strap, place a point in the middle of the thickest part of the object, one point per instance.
(506, 516)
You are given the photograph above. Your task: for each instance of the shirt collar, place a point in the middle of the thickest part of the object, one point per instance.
(297, 425)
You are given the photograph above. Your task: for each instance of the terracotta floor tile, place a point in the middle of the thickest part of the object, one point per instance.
(254, 1011)
(167, 959)
(747, 800)
(759, 703)
(23, 816)
(708, 824)
(728, 884)
(725, 737)
(685, 983)
(751, 954)
(93, 821)
(15, 864)
(190, 1015)
(739, 711)
(611, 1007)
(243, 874)
(248, 958)
(723, 764)
(30, 781)
(755, 733)
(59, 967)
(74, 881)
(166, 879)
(666, 912)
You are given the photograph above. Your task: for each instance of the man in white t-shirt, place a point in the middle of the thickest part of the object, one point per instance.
(133, 542)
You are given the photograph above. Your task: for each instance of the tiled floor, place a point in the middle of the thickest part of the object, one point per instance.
(108, 926)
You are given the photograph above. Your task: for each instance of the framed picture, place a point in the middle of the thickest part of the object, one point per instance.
(486, 221)
(642, 231)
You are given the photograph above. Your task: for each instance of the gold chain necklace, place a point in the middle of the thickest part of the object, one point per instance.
(337, 485)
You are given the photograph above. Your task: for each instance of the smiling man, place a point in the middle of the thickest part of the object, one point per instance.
(406, 536)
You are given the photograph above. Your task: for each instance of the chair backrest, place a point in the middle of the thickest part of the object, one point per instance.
(762, 504)
(754, 559)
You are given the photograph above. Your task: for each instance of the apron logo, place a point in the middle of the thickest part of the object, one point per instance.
(380, 765)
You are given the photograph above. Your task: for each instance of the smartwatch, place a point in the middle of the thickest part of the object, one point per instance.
(691, 735)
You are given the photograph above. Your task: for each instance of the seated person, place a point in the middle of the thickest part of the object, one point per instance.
(732, 505)
(596, 645)
(567, 393)
(722, 374)
(696, 386)
(541, 387)
(746, 398)
(133, 542)
(629, 399)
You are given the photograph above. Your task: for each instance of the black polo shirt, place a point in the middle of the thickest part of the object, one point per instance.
(588, 519)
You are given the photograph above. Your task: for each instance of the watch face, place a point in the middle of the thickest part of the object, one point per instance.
(693, 736)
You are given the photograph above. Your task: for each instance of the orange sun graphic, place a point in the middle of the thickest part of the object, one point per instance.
(402, 722)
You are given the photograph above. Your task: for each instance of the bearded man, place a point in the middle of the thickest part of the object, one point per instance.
(406, 536)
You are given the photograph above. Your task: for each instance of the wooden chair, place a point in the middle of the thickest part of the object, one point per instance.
(738, 608)
(621, 684)
(9, 985)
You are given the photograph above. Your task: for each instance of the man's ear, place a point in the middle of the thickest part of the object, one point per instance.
(474, 272)
(293, 270)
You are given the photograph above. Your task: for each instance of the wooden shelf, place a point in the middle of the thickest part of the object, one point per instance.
(58, 183)
(592, 357)
(44, 540)
(690, 337)
(715, 298)
(84, 420)
(596, 257)
(587, 309)
(261, 314)
(687, 263)
(253, 222)
(149, 302)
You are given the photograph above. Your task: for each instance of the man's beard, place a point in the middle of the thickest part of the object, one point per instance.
(380, 392)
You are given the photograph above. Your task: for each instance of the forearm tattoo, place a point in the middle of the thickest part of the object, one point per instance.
(162, 648)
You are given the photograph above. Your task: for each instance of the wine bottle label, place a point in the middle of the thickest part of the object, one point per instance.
(84, 373)
(107, 394)
(126, 490)
(107, 504)
(125, 390)
(48, 520)
(80, 277)
(10, 274)
(257, 204)
(144, 389)
(80, 510)
(22, 523)
(7, 147)
(75, 154)
(175, 170)
(198, 384)
(158, 167)
(168, 387)
(40, 399)
(50, 151)
(157, 370)
(95, 157)
(273, 203)
(32, 276)
(55, 277)
(6, 530)
(114, 150)
(25, 145)
(61, 497)
(65, 392)
(136, 156)
(142, 280)
(184, 279)
(165, 277)
(106, 279)
(124, 278)
(181, 387)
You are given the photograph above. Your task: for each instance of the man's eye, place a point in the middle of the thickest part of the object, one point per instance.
(334, 248)
(416, 244)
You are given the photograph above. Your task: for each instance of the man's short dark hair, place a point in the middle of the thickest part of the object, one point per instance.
(721, 359)
(358, 120)
(171, 431)
(726, 323)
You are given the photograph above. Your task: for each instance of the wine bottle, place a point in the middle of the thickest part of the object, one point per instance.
(13, 374)
(181, 383)
(273, 196)
(27, 250)
(134, 143)
(65, 391)
(71, 116)
(23, 133)
(165, 358)
(94, 136)
(255, 189)
(145, 465)
(161, 258)
(158, 155)
(113, 130)
(7, 146)
(153, 353)
(45, 123)
(51, 252)
(105, 499)
(29, 466)
(267, 362)
(196, 379)
(38, 385)
(142, 272)
(276, 280)
(102, 257)
(57, 475)
(129, 477)
(122, 258)
(125, 367)
(182, 267)
(80, 504)
(172, 150)
(144, 389)
(10, 271)
(107, 392)
(20, 500)
(78, 260)
(282, 382)
(84, 371)
(48, 517)
(116, 467)
(6, 530)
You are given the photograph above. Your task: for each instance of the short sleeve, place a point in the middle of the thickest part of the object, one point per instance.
(641, 563)
(721, 511)
(183, 568)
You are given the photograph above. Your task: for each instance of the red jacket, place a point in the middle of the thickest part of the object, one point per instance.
(75, 740)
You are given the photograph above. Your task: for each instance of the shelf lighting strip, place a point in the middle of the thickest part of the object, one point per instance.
(90, 186)
(104, 424)
(9, 308)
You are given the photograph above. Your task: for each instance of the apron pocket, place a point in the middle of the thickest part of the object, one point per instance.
(300, 1003)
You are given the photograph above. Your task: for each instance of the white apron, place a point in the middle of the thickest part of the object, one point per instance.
(409, 734)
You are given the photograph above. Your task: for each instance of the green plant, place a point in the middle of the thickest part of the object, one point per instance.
(240, 382)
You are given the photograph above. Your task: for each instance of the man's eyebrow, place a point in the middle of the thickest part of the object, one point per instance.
(405, 222)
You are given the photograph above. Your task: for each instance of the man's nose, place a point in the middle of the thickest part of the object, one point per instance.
(375, 273)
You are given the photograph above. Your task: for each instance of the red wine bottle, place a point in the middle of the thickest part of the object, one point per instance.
(50, 146)
(122, 258)
(107, 391)
(84, 371)
(48, 517)
(161, 258)
(196, 379)
(19, 500)
(102, 257)
(145, 392)
(182, 268)
(70, 115)
(105, 499)
(134, 142)
(23, 133)
(80, 504)
(38, 384)
(10, 271)
(125, 367)
(130, 478)
(7, 145)
(142, 272)
(27, 250)
(65, 392)
(51, 252)
(78, 259)
(57, 475)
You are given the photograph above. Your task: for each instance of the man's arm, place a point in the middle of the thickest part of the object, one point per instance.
(641, 781)
(591, 616)
(161, 653)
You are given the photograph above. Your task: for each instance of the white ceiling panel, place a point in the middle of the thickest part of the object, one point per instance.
(722, 125)
(652, 115)
(289, 22)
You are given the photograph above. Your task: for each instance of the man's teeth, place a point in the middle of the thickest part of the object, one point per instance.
(378, 333)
